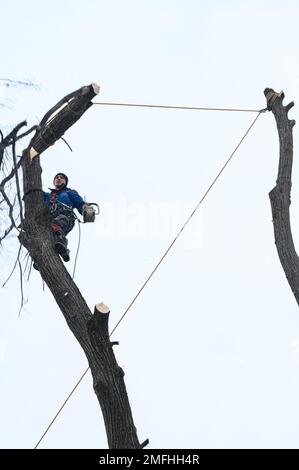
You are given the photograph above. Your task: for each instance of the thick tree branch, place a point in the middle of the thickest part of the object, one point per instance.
(109, 384)
(53, 129)
(280, 195)
(61, 102)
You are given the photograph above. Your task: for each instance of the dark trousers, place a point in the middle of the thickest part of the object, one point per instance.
(62, 221)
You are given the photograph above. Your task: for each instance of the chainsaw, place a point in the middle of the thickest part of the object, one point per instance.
(90, 212)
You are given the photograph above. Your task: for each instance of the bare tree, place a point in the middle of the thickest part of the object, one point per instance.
(90, 329)
(280, 195)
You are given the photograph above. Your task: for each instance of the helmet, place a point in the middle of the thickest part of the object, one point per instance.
(64, 176)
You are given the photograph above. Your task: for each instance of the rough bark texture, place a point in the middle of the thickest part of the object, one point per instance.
(109, 385)
(73, 106)
(91, 330)
(280, 195)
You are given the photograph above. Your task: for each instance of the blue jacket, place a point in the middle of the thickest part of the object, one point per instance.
(66, 196)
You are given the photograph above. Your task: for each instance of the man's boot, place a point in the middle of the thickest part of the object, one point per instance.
(61, 247)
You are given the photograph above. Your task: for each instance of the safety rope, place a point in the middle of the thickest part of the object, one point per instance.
(62, 406)
(185, 224)
(179, 107)
(78, 247)
(158, 264)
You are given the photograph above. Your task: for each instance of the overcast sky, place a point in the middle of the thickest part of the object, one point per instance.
(211, 347)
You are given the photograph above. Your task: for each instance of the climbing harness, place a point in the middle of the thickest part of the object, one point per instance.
(89, 212)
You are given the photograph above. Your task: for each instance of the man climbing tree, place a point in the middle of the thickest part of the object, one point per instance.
(61, 201)
(29, 217)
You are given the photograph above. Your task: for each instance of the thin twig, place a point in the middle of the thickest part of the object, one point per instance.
(9, 138)
(17, 183)
(11, 207)
(30, 269)
(21, 285)
(13, 267)
(26, 259)
(33, 128)
(12, 173)
(7, 232)
(67, 144)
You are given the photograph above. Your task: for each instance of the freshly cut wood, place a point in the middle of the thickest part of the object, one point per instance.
(102, 308)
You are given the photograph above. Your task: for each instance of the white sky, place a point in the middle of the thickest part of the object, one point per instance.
(211, 348)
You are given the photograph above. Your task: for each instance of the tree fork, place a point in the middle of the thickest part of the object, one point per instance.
(91, 330)
(280, 195)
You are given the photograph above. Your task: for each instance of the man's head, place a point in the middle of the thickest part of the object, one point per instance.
(60, 180)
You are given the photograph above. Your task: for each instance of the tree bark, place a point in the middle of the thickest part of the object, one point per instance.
(73, 106)
(91, 330)
(280, 195)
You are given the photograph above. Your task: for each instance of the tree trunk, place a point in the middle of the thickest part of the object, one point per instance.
(91, 330)
(280, 195)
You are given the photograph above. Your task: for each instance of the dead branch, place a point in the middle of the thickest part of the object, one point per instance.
(14, 266)
(10, 206)
(21, 286)
(21, 136)
(14, 157)
(280, 195)
(12, 135)
(6, 233)
(10, 138)
(12, 173)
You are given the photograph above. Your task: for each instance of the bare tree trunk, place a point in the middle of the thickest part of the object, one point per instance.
(91, 330)
(280, 195)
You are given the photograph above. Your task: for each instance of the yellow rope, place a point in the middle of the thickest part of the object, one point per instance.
(178, 107)
(157, 265)
(184, 225)
(62, 406)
